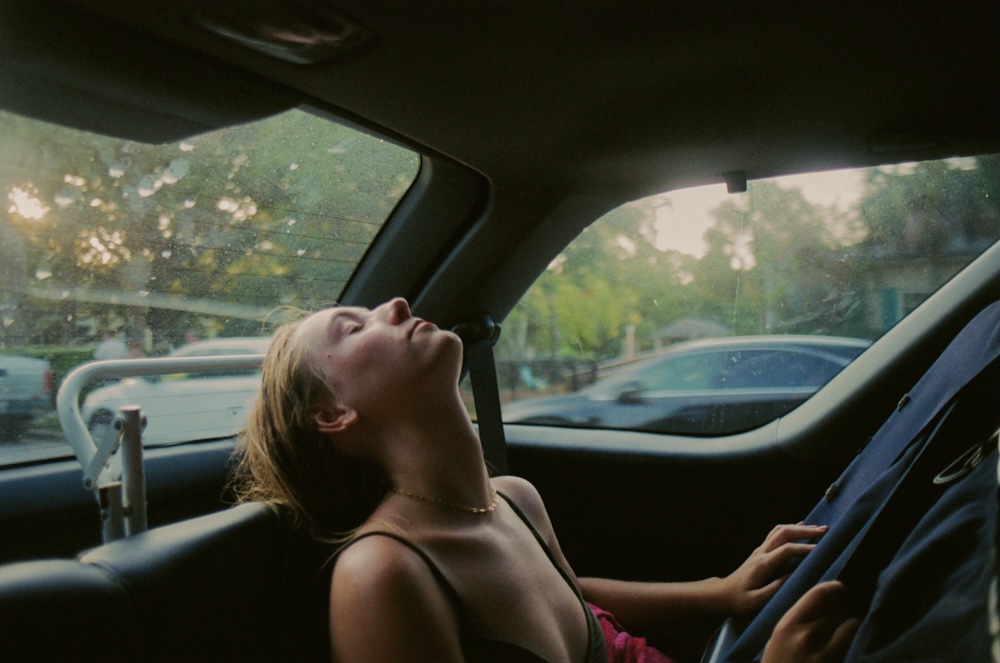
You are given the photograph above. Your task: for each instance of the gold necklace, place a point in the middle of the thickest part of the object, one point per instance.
(469, 509)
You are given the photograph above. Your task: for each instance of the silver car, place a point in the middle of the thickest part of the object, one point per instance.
(714, 386)
(183, 407)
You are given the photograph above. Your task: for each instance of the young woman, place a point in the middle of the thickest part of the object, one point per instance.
(360, 430)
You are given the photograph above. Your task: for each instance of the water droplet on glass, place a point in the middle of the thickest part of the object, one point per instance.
(149, 185)
(177, 169)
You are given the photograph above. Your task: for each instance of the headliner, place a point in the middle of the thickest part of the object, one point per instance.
(619, 99)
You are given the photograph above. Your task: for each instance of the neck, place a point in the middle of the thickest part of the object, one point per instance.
(436, 453)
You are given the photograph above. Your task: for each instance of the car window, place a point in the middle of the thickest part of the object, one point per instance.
(699, 371)
(824, 262)
(113, 249)
(777, 369)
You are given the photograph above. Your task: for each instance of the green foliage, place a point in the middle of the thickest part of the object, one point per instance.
(774, 262)
(229, 224)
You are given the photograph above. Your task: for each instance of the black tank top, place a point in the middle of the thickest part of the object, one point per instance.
(477, 648)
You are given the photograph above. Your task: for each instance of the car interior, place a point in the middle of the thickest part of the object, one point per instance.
(529, 122)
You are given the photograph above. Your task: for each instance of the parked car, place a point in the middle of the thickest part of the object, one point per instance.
(25, 390)
(714, 386)
(179, 406)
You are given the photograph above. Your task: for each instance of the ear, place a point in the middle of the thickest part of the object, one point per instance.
(334, 418)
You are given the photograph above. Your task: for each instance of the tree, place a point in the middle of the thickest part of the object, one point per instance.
(265, 214)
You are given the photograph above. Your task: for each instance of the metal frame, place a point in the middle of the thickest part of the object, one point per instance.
(118, 479)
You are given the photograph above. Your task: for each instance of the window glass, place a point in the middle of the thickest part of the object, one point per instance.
(115, 249)
(764, 369)
(698, 371)
(785, 283)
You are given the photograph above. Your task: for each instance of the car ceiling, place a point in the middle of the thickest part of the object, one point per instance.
(615, 98)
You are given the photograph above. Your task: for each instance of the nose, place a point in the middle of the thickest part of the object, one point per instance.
(397, 311)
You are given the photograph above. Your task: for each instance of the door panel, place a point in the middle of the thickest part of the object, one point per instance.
(46, 512)
(646, 515)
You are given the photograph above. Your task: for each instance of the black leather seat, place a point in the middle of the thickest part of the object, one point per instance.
(235, 585)
(63, 610)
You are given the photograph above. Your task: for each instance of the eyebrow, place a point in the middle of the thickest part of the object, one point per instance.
(338, 314)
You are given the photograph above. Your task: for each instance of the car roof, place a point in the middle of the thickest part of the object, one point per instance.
(230, 345)
(622, 98)
(827, 345)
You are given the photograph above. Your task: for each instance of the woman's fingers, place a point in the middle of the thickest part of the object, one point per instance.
(824, 609)
(817, 628)
(842, 638)
(788, 552)
(783, 534)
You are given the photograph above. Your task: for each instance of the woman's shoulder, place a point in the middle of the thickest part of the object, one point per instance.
(522, 491)
(374, 555)
(523, 494)
(382, 566)
(380, 585)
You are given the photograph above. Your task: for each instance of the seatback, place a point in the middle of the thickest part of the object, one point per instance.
(241, 584)
(63, 610)
(234, 585)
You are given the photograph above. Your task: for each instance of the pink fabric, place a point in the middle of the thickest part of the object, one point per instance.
(622, 647)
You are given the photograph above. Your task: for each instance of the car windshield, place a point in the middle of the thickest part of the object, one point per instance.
(793, 278)
(114, 249)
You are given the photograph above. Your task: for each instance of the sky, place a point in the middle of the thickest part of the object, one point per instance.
(682, 225)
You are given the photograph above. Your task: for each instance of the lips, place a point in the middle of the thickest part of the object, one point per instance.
(417, 324)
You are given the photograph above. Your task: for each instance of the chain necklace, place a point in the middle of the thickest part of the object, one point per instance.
(468, 509)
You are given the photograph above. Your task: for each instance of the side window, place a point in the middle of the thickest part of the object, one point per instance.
(113, 249)
(694, 373)
(783, 285)
(778, 369)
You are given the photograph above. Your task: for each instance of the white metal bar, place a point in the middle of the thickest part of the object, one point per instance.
(133, 474)
(109, 496)
(68, 399)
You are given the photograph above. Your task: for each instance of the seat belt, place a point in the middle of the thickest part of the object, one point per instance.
(479, 335)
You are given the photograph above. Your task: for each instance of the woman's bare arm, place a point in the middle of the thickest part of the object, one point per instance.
(644, 605)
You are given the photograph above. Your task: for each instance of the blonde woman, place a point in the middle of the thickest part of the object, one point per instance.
(360, 431)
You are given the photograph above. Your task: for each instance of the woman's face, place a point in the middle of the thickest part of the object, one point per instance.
(379, 358)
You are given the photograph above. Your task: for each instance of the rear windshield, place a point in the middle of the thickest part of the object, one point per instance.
(114, 248)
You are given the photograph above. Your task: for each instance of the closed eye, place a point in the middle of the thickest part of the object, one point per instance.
(355, 327)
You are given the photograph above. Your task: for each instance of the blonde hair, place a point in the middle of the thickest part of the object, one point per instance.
(284, 460)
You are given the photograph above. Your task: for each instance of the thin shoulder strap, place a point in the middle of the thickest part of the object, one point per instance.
(449, 590)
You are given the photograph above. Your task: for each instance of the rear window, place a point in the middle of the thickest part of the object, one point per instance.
(115, 249)
(701, 312)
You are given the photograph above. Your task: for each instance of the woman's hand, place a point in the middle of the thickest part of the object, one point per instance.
(817, 629)
(750, 586)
